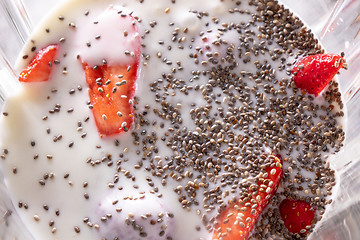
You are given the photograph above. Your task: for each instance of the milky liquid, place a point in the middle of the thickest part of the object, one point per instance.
(71, 183)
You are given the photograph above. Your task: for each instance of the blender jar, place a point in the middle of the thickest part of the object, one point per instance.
(337, 26)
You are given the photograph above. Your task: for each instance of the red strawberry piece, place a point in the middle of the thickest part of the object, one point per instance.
(237, 220)
(40, 67)
(112, 86)
(313, 73)
(296, 215)
(111, 92)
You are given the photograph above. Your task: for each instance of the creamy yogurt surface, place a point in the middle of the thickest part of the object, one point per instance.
(213, 98)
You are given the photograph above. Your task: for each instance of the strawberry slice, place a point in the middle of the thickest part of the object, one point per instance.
(237, 220)
(112, 84)
(296, 215)
(111, 92)
(313, 73)
(40, 67)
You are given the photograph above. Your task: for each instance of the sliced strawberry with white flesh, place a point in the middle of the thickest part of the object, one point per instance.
(40, 67)
(237, 220)
(297, 215)
(112, 84)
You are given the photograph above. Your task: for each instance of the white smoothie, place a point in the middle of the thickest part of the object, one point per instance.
(213, 95)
